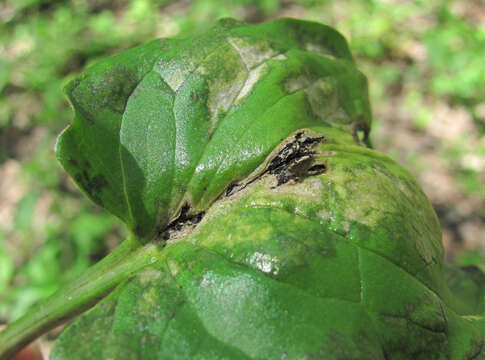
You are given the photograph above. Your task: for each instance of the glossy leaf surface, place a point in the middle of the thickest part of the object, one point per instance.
(174, 122)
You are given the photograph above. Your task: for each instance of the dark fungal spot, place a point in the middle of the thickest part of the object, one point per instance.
(231, 189)
(317, 169)
(93, 185)
(94, 93)
(295, 160)
(185, 221)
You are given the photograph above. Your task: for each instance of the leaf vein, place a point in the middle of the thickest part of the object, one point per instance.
(343, 237)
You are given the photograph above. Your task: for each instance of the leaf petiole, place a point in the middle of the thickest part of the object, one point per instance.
(78, 296)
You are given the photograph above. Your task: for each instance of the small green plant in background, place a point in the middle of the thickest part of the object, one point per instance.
(260, 225)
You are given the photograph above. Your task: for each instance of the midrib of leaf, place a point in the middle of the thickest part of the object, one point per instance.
(183, 195)
(123, 170)
(125, 192)
(196, 161)
(224, 119)
(246, 129)
(122, 165)
(175, 122)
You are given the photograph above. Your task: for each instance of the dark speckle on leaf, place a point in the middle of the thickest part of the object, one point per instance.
(93, 185)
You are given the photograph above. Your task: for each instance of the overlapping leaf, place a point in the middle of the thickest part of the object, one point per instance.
(174, 122)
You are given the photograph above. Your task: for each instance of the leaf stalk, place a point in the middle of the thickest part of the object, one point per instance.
(78, 296)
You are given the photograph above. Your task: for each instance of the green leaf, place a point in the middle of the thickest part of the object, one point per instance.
(174, 122)
(346, 264)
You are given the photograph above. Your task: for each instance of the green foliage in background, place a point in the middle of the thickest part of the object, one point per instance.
(43, 44)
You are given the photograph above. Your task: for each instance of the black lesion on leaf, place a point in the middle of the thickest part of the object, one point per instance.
(317, 169)
(184, 221)
(233, 188)
(295, 161)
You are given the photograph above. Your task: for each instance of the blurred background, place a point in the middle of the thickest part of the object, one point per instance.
(425, 60)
